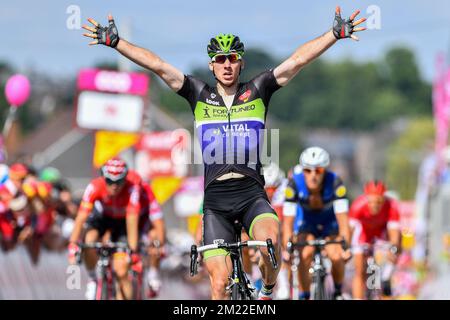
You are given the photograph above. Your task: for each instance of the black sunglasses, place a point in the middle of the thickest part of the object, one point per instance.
(111, 182)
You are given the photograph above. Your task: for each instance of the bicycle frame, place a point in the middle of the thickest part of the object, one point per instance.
(375, 270)
(105, 276)
(239, 284)
(317, 269)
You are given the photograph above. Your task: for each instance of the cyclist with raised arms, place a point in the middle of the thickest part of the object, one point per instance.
(316, 207)
(228, 118)
(111, 203)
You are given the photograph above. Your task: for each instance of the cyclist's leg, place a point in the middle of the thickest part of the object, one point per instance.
(154, 256)
(334, 252)
(359, 278)
(121, 261)
(246, 255)
(305, 226)
(217, 262)
(262, 223)
(306, 256)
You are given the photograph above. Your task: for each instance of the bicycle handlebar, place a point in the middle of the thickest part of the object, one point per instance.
(100, 245)
(229, 246)
(315, 243)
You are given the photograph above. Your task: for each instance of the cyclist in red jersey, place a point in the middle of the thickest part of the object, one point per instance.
(17, 175)
(153, 231)
(373, 216)
(110, 203)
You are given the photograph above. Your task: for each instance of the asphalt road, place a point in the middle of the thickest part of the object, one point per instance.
(19, 279)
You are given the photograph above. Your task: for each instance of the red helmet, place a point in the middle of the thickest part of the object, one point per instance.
(375, 187)
(114, 170)
(18, 171)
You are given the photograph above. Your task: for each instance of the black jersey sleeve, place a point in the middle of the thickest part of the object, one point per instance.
(191, 89)
(267, 84)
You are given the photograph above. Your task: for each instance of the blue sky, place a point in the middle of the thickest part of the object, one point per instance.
(34, 34)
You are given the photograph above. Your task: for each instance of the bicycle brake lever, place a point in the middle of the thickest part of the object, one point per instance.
(289, 247)
(271, 251)
(194, 256)
(78, 257)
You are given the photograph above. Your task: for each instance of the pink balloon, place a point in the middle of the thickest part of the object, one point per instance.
(17, 90)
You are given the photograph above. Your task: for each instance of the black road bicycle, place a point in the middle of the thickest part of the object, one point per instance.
(239, 286)
(106, 281)
(318, 269)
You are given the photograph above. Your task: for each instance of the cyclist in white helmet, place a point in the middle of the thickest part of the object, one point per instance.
(276, 183)
(316, 207)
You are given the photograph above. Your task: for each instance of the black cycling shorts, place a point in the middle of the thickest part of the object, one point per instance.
(118, 227)
(243, 200)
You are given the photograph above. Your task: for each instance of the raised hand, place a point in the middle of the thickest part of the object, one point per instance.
(345, 28)
(108, 36)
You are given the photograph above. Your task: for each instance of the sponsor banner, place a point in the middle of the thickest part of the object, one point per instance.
(163, 154)
(109, 144)
(113, 81)
(107, 111)
(441, 109)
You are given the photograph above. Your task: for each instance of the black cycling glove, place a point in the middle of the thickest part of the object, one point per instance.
(108, 36)
(342, 28)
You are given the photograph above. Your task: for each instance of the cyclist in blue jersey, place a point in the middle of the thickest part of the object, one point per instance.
(316, 207)
(228, 119)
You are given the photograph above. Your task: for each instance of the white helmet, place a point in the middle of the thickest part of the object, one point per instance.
(273, 175)
(314, 157)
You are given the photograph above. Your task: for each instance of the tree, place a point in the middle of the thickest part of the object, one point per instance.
(405, 155)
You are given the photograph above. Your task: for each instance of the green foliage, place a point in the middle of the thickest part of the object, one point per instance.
(405, 155)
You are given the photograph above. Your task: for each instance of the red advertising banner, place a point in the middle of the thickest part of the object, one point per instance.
(163, 154)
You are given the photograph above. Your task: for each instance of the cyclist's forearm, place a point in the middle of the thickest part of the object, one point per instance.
(160, 230)
(132, 231)
(78, 226)
(394, 236)
(344, 226)
(287, 226)
(313, 49)
(143, 57)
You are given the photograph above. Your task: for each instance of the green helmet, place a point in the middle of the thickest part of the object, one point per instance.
(225, 43)
(50, 174)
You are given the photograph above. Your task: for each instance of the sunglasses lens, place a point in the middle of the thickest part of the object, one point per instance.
(220, 59)
(111, 182)
(233, 57)
(316, 170)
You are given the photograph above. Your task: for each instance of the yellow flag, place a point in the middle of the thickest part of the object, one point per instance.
(110, 143)
(193, 222)
(165, 187)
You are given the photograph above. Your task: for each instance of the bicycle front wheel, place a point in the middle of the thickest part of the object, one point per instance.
(318, 287)
(102, 289)
(236, 292)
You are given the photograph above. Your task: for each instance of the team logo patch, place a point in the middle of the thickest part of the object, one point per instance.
(289, 193)
(341, 191)
(244, 97)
